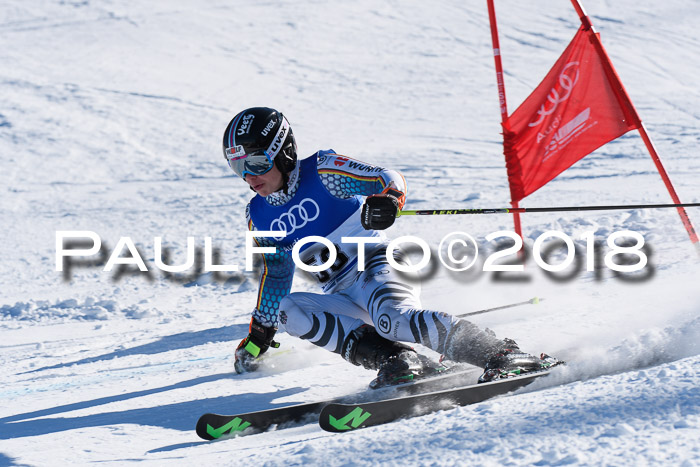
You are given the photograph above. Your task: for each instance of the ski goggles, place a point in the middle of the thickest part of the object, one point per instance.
(255, 163)
(260, 161)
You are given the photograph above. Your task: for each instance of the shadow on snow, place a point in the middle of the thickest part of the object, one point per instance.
(180, 416)
(179, 341)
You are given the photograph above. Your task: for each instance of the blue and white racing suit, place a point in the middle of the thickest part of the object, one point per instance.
(324, 198)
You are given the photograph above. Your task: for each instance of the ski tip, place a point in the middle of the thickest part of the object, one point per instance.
(339, 418)
(201, 428)
(212, 426)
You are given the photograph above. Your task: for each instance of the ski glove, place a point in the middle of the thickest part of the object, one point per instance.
(257, 342)
(379, 211)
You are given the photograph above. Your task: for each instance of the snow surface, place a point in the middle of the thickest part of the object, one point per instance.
(111, 115)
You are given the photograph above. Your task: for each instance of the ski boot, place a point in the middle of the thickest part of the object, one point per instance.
(251, 349)
(511, 361)
(401, 368)
(406, 367)
(396, 363)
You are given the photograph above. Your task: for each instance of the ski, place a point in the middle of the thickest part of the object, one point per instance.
(212, 426)
(341, 417)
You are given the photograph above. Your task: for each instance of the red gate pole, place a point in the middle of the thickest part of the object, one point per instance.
(613, 76)
(501, 92)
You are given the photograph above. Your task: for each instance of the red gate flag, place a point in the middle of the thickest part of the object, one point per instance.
(576, 109)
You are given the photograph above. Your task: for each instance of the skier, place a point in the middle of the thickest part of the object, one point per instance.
(365, 316)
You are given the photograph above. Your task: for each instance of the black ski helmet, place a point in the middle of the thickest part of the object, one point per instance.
(262, 130)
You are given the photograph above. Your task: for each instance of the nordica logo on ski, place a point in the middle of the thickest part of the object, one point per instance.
(233, 426)
(355, 418)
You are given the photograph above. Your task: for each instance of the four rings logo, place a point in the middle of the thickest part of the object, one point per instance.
(567, 80)
(297, 217)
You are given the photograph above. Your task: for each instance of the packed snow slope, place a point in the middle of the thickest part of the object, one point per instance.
(111, 116)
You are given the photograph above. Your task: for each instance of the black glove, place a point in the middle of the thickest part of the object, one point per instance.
(379, 211)
(257, 342)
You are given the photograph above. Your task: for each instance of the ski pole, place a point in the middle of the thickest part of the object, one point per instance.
(443, 212)
(534, 301)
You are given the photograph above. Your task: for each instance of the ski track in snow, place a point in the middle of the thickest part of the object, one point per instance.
(110, 121)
